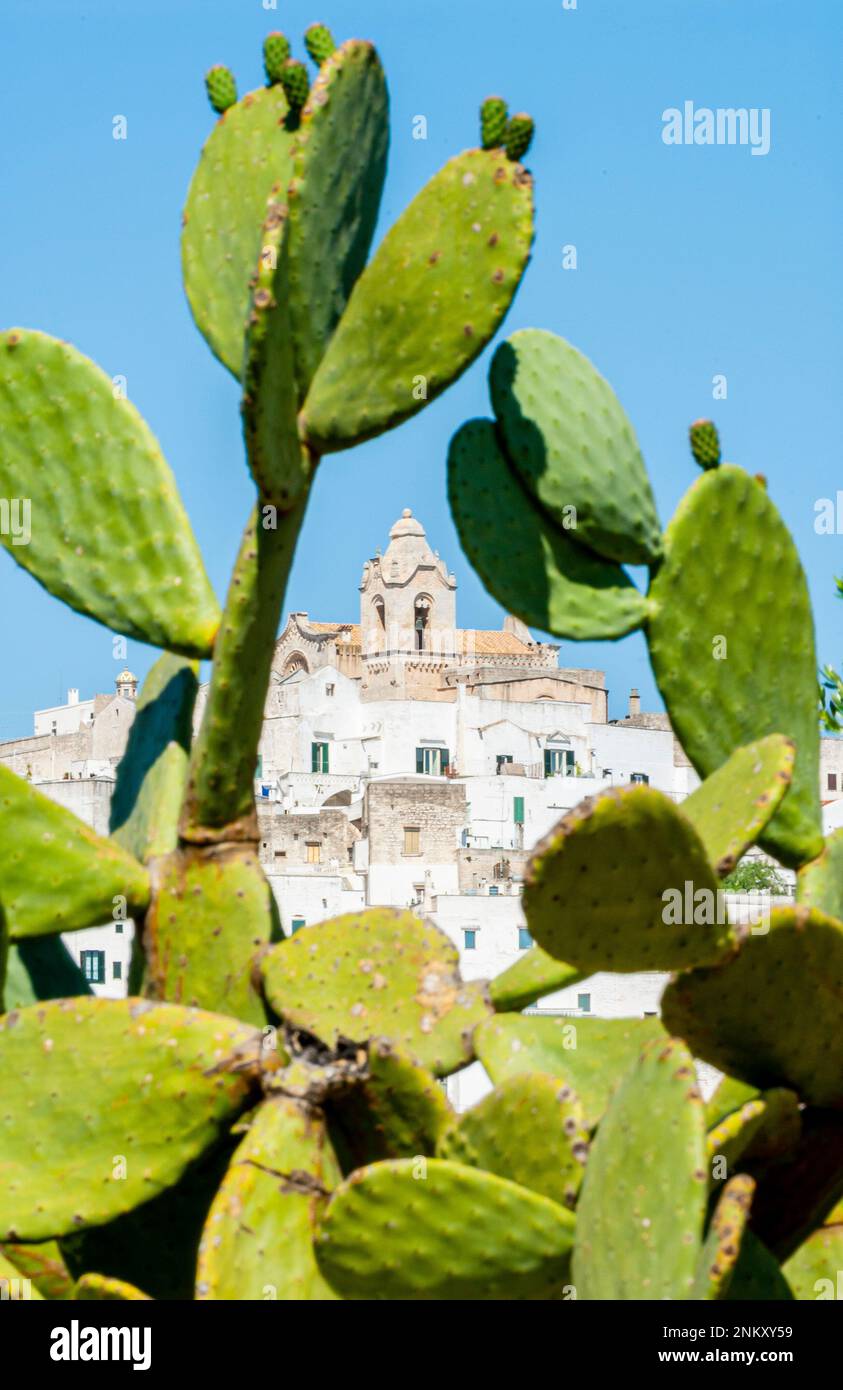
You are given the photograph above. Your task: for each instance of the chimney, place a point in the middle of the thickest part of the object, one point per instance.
(634, 703)
(73, 697)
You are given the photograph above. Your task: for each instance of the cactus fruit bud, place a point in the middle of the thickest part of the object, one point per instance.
(221, 88)
(493, 119)
(276, 51)
(705, 443)
(519, 136)
(295, 82)
(319, 42)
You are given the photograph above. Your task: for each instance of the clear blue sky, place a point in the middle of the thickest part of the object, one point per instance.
(692, 262)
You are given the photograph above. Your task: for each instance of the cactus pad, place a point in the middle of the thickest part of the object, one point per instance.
(430, 1229)
(100, 1288)
(221, 88)
(379, 973)
(705, 443)
(730, 576)
(814, 1270)
(397, 1109)
(103, 502)
(732, 1135)
(246, 156)
(642, 1205)
(44, 1265)
(723, 1240)
(530, 1129)
(727, 1096)
(530, 978)
(152, 772)
(338, 172)
(730, 809)
(175, 1078)
(12, 1286)
(40, 967)
(533, 569)
(276, 51)
(597, 887)
(820, 882)
(319, 42)
(572, 444)
(588, 1054)
(748, 1015)
(430, 299)
(77, 885)
(757, 1277)
(258, 1239)
(518, 136)
(493, 120)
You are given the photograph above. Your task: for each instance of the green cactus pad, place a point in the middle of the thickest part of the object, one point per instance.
(396, 1110)
(175, 1078)
(729, 1095)
(730, 576)
(530, 1129)
(44, 1265)
(221, 88)
(493, 120)
(814, 1270)
(588, 1054)
(749, 1015)
(429, 1229)
(820, 882)
(338, 172)
(99, 1288)
(730, 809)
(723, 1240)
(258, 1239)
(276, 51)
(296, 83)
(319, 42)
(732, 1135)
(40, 967)
(572, 444)
(642, 1205)
(533, 569)
(705, 443)
(77, 885)
(103, 503)
(246, 156)
(518, 135)
(596, 889)
(378, 974)
(212, 910)
(757, 1277)
(14, 1287)
(530, 978)
(152, 773)
(430, 299)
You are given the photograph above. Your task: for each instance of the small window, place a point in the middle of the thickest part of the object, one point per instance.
(412, 839)
(641, 778)
(558, 762)
(117, 970)
(832, 781)
(297, 924)
(319, 757)
(502, 759)
(118, 927)
(525, 940)
(93, 966)
(314, 852)
(470, 939)
(518, 810)
(584, 1003)
(493, 891)
(432, 762)
(329, 689)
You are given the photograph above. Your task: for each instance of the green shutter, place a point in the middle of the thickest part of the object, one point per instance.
(314, 757)
(548, 762)
(518, 809)
(324, 757)
(445, 760)
(419, 760)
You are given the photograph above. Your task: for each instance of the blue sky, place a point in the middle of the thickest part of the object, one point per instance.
(692, 262)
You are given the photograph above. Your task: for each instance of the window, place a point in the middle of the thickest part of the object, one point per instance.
(641, 778)
(259, 768)
(493, 891)
(525, 940)
(280, 854)
(329, 689)
(558, 760)
(412, 839)
(93, 966)
(319, 757)
(584, 1003)
(117, 970)
(832, 781)
(502, 759)
(518, 810)
(432, 761)
(421, 622)
(296, 925)
(118, 927)
(314, 852)
(470, 939)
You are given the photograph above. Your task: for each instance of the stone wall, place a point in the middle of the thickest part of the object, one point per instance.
(436, 808)
(284, 839)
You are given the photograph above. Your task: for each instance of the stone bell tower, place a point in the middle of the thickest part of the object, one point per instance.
(407, 617)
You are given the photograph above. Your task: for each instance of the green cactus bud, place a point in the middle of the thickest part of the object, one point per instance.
(705, 443)
(518, 136)
(221, 88)
(493, 119)
(296, 83)
(276, 51)
(319, 42)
